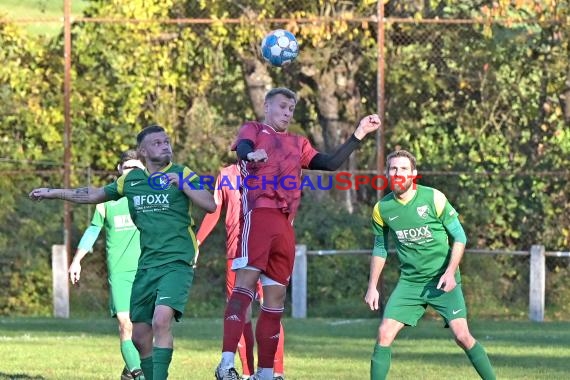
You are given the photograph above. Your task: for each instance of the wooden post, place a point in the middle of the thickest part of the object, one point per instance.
(60, 281)
(299, 283)
(537, 283)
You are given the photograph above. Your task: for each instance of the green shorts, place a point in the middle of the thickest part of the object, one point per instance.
(167, 284)
(120, 285)
(408, 302)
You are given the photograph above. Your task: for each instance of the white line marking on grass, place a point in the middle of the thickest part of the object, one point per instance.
(346, 322)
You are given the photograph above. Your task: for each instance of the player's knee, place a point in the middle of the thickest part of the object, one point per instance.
(125, 329)
(386, 334)
(161, 322)
(464, 339)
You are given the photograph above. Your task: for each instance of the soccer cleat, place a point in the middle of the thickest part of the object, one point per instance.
(278, 378)
(226, 374)
(137, 374)
(126, 374)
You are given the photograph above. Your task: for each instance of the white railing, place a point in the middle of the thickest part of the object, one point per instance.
(537, 284)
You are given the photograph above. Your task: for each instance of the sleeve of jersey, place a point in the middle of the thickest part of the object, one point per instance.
(210, 220)
(114, 191)
(380, 231)
(92, 232)
(449, 218)
(248, 131)
(307, 153)
(192, 178)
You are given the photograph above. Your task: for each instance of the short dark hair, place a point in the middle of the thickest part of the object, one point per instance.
(147, 131)
(127, 155)
(401, 153)
(281, 91)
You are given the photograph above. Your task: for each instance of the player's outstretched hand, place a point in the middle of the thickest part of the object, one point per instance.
(40, 193)
(372, 298)
(367, 124)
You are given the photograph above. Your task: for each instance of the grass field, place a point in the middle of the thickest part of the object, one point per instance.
(39, 9)
(318, 349)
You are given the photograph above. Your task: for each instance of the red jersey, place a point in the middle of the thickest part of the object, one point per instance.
(275, 183)
(226, 195)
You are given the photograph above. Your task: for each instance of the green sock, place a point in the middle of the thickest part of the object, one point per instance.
(380, 365)
(130, 355)
(480, 361)
(161, 358)
(147, 367)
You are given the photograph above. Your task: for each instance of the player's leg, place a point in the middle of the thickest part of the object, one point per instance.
(246, 341)
(382, 355)
(234, 319)
(278, 363)
(404, 307)
(250, 260)
(163, 341)
(474, 350)
(141, 312)
(172, 291)
(142, 338)
(274, 280)
(121, 285)
(451, 306)
(268, 327)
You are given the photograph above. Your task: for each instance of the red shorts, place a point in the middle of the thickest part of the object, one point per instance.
(267, 243)
(231, 282)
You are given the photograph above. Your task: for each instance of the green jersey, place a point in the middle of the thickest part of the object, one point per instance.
(161, 214)
(418, 231)
(122, 236)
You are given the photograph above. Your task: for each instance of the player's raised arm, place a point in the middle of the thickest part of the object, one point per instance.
(323, 161)
(79, 195)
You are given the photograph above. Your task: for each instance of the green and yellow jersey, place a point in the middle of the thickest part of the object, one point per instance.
(418, 229)
(162, 215)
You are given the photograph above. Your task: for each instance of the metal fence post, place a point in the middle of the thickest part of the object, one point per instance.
(537, 283)
(60, 281)
(299, 283)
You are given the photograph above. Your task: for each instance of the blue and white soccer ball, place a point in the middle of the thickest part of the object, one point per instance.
(279, 47)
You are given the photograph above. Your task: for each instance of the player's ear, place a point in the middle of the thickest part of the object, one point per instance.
(120, 169)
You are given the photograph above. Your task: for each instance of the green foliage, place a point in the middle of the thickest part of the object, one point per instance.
(29, 290)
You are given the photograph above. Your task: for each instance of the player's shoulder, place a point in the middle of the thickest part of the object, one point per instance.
(135, 173)
(386, 198)
(431, 191)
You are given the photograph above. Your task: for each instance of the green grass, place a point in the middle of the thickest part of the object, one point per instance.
(39, 9)
(319, 349)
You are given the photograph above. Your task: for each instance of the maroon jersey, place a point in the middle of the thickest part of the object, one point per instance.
(226, 195)
(275, 183)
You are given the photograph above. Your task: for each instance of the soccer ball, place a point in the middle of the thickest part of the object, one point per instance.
(279, 47)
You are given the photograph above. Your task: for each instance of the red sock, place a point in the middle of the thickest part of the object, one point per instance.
(245, 348)
(278, 361)
(267, 335)
(234, 318)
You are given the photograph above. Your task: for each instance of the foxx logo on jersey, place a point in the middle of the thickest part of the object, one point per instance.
(150, 199)
(414, 234)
